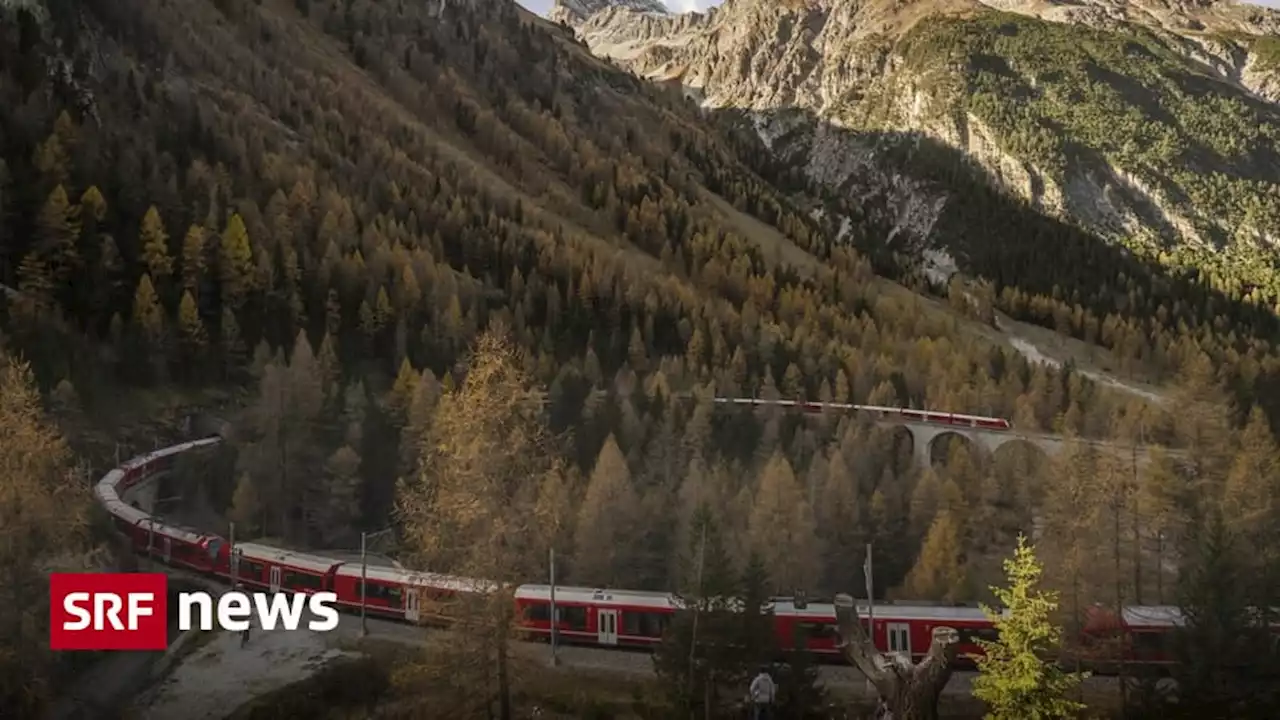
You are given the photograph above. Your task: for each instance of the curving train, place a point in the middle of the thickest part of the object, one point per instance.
(608, 618)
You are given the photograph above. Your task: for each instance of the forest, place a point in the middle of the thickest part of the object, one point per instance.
(320, 229)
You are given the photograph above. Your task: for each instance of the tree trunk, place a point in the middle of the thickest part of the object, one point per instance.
(910, 691)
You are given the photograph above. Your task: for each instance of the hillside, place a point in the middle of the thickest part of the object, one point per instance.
(1154, 125)
(318, 208)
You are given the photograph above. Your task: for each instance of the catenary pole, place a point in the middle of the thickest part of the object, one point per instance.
(233, 572)
(555, 655)
(364, 577)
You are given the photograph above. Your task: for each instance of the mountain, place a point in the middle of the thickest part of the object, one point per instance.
(307, 212)
(575, 11)
(1154, 124)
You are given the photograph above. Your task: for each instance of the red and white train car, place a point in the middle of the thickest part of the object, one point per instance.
(263, 567)
(402, 594)
(894, 628)
(628, 618)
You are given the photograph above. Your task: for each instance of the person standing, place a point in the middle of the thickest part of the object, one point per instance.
(762, 693)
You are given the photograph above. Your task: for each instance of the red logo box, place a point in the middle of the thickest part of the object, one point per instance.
(108, 611)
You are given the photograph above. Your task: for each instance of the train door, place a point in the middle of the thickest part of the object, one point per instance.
(167, 546)
(275, 579)
(899, 637)
(607, 627)
(411, 606)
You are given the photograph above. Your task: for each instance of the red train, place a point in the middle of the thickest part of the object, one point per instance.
(885, 413)
(601, 617)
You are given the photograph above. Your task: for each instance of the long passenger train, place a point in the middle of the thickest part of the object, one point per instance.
(604, 617)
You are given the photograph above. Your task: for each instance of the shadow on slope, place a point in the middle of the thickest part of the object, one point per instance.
(906, 194)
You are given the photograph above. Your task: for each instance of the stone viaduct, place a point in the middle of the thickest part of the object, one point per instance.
(927, 428)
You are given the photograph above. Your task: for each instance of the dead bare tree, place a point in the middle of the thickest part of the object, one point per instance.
(909, 690)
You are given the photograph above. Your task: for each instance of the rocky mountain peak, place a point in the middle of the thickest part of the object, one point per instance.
(575, 11)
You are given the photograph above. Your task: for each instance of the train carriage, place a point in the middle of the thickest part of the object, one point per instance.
(173, 545)
(631, 618)
(906, 629)
(404, 594)
(262, 567)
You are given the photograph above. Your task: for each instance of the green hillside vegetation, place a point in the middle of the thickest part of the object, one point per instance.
(322, 206)
(1069, 98)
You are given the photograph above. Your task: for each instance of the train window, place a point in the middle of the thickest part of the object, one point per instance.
(573, 617)
(302, 580)
(971, 636)
(818, 631)
(643, 624)
(386, 593)
(537, 613)
(249, 569)
(1149, 644)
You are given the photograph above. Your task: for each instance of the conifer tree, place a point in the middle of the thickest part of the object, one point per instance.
(939, 572)
(155, 247)
(782, 528)
(44, 523)
(1018, 680)
(698, 661)
(193, 259)
(192, 333)
(234, 352)
(246, 506)
(235, 256)
(57, 228)
(606, 521)
(148, 316)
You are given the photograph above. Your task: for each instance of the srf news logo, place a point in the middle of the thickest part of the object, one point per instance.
(130, 611)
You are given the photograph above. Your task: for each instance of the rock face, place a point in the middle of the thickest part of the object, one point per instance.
(575, 11)
(1120, 139)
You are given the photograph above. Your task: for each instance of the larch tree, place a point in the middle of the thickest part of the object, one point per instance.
(154, 242)
(469, 510)
(194, 263)
(839, 520)
(336, 506)
(191, 329)
(246, 509)
(44, 520)
(57, 229)
(781, 529)
(284, 458)
(606, 524)
(235, 259)
(940, 573)
(1018, 679)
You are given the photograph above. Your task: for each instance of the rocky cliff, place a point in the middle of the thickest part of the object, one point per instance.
(1153, 123)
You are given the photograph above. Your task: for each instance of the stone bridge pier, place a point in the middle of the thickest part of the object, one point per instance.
(925, 437)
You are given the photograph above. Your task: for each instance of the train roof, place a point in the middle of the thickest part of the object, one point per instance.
(302, 561)
(124, 510)
(596, 596)
(402, 576)
(827, 611)
(1162, 616)
(177, 532)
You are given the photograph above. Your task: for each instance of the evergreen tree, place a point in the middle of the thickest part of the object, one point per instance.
(1017, 681)
(699, 661)
(1228, 662)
